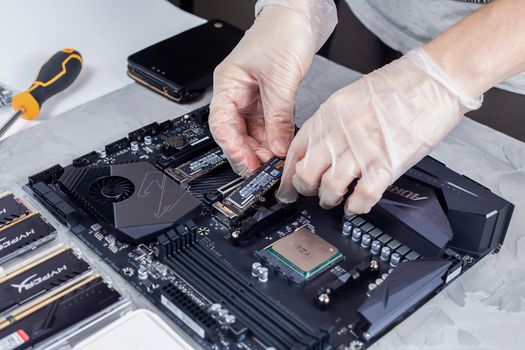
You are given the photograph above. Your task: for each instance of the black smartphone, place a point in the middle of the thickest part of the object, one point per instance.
(181, 67)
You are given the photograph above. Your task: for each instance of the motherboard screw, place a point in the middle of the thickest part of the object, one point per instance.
(203, 231)
(128, 271)
(356, 345)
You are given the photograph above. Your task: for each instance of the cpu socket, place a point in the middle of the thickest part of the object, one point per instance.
(300, 255)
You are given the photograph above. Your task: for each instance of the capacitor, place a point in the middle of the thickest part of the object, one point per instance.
(385, 253)
(365, 240)
(395, 259)
(379, 281)
(371, 288)
(356, 234)
(384, 276)
(230, 319)
(347, 228)
(101, 153)
(376, 247)
(134, 145)
(263, 274)
(222, 314)
(142, 273)
(214, 308)
(147, 140)
(255, 269)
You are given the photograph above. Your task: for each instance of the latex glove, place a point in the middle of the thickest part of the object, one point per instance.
(251, 112)
(373, 130)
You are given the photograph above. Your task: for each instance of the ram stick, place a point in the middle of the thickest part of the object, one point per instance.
(44, 317)
(250, 191)
(23, 235)
(198, 167)
(39, 276)
(10, 209)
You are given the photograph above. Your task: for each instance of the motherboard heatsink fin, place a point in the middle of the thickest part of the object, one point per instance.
(406, 286)
(135, 200)
(402, 207)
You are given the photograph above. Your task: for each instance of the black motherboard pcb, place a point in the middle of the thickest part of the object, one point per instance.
(236, 269)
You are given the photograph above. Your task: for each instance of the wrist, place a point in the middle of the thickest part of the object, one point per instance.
(471, 77)
(464, 93)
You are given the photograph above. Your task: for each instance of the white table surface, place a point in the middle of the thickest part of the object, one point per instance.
(105, 32)
(484, 309)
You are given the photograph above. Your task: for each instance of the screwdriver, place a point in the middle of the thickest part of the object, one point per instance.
(59, 72)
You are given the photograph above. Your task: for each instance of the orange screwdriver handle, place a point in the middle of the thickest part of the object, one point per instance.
(59, 72)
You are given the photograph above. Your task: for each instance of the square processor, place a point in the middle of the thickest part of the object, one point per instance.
(300, 255)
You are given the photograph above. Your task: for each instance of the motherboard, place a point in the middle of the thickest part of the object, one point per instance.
(235, 268)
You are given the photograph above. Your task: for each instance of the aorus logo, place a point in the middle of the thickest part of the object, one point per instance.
(35, 280)
(5, 244)
(157, 181)
(405, 193)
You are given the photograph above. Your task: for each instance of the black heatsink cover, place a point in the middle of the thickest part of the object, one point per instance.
(413, 214)
(406, 286)
(478, 217)
(136, 200)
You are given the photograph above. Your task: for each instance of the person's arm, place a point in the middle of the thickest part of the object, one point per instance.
(375, 129)
(484, 48)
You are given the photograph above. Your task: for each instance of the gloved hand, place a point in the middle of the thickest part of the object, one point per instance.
(251, 112)
(373, 130)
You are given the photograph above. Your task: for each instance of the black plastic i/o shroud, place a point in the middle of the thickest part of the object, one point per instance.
(406, 287)
(39, 276)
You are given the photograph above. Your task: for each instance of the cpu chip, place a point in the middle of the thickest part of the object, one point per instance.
(305, 252)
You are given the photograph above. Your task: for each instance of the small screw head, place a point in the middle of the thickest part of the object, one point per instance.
(374, 264)
(324, 298)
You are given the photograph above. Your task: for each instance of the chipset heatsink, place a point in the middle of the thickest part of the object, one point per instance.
(300, 256)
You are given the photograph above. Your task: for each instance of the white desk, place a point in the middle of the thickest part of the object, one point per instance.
(105, 33)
